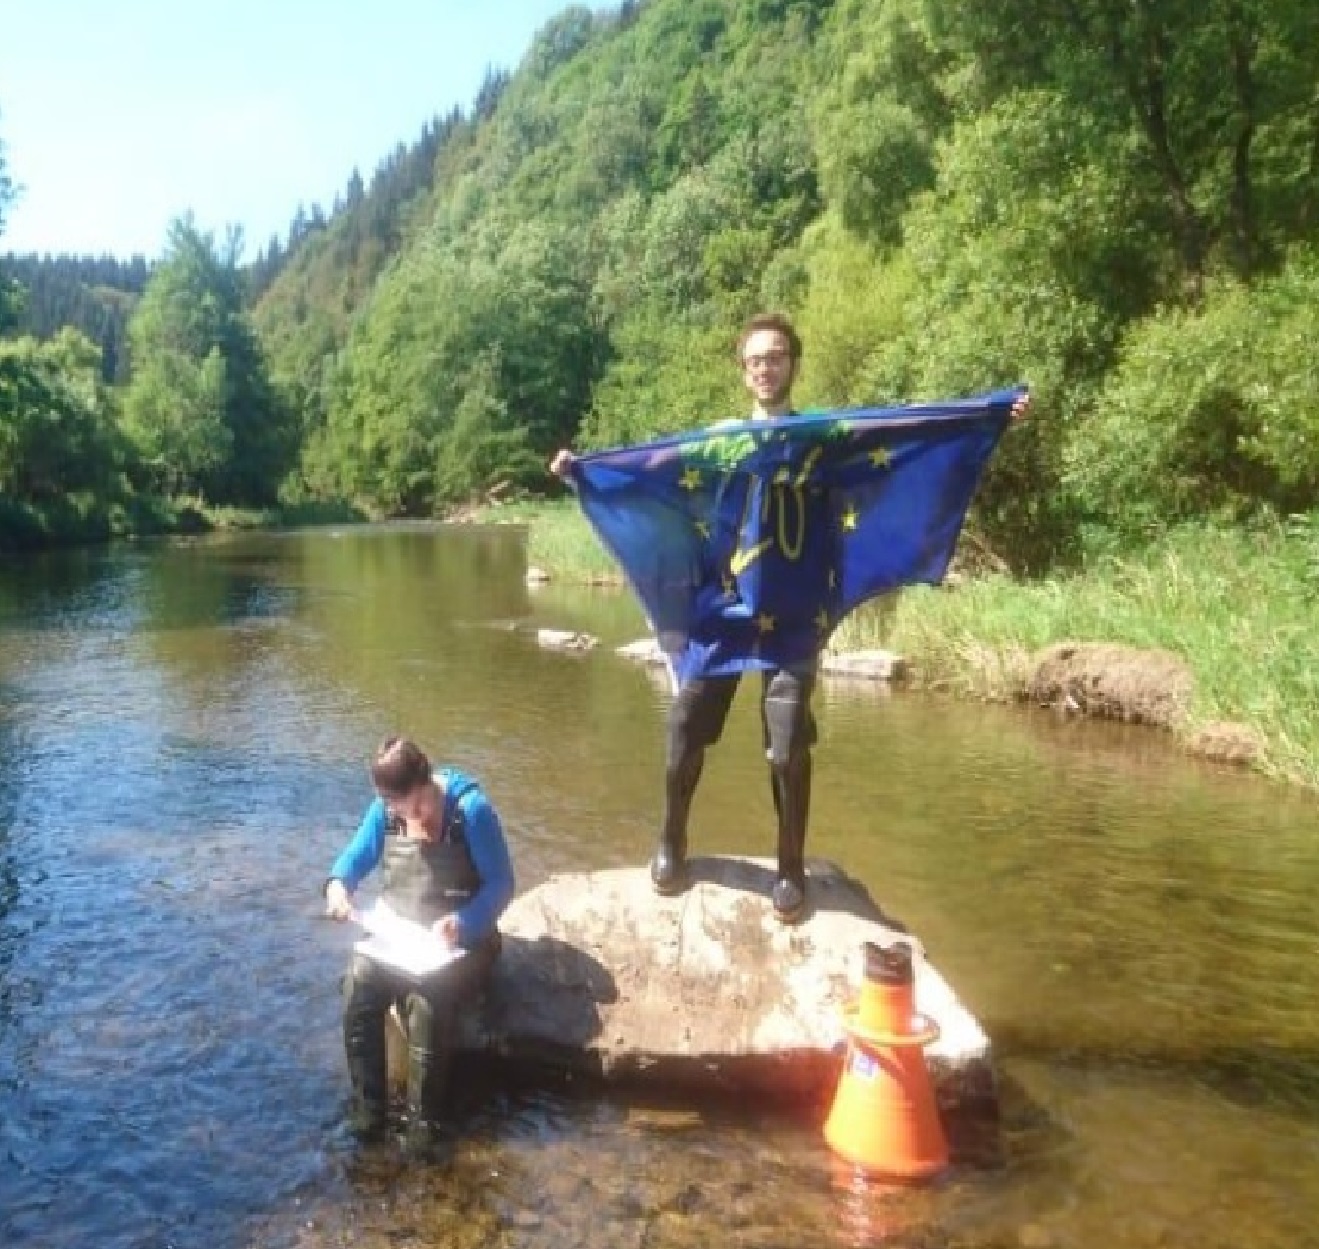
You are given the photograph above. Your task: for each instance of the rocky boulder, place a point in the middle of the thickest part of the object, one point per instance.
(565, 640)
(864, 665)
(1113, 682)
(705, 992)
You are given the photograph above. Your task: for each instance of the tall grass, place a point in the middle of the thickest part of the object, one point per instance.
(1240, 608)
(558, 539)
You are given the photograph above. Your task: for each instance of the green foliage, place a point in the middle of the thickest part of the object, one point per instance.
(949, 197)
(855, 319)
(1212, 411)
(484, 446)
(174, 413)
(305, 292)
(880, 110)
(666, 375)
(57, 429)
(201, 408)
(559, 539)
(1235, 604)
(1025, 268)
(94, 294)
(502, 333)
(1216, 98)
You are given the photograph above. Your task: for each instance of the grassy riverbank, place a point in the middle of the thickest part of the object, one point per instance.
(78, 520)
(1238, 607)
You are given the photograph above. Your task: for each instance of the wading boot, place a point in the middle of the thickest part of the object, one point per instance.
(792, 802)
(364, 1045)
(429, 1043)
(668, 869)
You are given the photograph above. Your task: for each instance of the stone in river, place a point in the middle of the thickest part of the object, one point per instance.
(705, 992)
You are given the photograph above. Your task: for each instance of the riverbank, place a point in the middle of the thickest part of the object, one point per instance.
(1235, 606)
(88, 520)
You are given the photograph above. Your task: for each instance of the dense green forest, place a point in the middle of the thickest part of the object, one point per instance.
(1115, 202)
(93, 294)
(137, 397)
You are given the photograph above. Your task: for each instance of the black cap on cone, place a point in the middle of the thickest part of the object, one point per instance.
(888, 964)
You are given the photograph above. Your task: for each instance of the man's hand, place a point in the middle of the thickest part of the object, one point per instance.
(562, 462)
(338, 901)
(1020, 408)
(446, 929)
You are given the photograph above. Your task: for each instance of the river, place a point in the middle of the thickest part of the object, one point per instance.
(184, 728)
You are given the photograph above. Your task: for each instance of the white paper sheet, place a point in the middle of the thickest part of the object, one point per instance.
(401, 943)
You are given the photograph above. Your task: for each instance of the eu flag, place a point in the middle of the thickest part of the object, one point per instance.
(748, 542)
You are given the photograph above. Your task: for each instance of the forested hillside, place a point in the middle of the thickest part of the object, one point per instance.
(136, 397)
(1115, 202)
(95, 295)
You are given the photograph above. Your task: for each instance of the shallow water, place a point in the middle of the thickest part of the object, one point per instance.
(183, 729)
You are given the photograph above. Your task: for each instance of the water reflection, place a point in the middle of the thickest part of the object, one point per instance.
(183, 729)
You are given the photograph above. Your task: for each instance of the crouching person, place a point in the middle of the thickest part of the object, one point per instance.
(444, 863)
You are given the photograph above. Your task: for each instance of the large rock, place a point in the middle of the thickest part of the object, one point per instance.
(1116, 682)
(706, 991)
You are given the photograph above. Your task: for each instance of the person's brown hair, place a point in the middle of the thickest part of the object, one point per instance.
(399, 767)
(770, 321)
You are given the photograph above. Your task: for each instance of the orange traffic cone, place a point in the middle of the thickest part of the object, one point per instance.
(884, 1119)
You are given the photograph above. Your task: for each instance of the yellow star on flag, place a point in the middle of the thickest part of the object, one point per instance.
(703, 528)
(691, 479)
(881, 457)
(765, 622)
(850, 518)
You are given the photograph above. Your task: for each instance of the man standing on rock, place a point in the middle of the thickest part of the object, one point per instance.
(769, 353)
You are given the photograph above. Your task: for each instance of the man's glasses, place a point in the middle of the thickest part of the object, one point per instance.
(775, 358)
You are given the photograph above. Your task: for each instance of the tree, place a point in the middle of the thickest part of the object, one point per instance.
(175, 414)
(485, 444)
(57, 431)
(1218, 96)
(8, 291)
(200, 389)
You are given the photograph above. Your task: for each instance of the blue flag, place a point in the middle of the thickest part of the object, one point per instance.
(748, 542)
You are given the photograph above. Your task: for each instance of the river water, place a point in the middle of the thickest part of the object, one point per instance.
(183, 735)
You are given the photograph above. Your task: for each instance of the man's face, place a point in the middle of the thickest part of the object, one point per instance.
(767, 367)
(421, 806)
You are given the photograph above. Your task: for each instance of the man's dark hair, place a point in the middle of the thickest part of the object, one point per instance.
(771, 321)
(399, 767)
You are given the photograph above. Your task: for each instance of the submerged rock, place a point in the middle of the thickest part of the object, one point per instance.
(644, 650)
(867, 665)
(705, 992)
(565, 640)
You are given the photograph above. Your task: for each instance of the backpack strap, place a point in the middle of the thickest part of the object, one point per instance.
(453, 823)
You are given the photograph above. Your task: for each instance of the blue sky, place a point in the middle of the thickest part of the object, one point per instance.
(117, 115)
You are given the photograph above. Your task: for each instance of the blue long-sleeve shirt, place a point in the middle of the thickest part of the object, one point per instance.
(485, 841)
